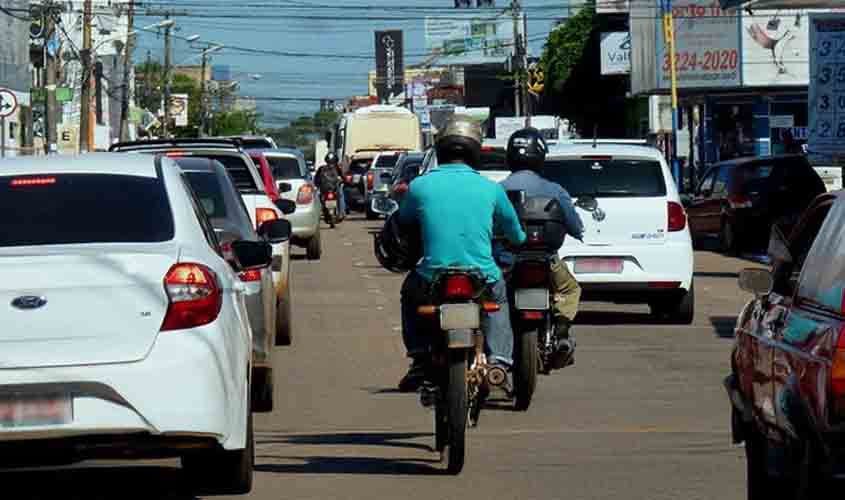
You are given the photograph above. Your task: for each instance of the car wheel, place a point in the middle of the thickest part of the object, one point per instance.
(677, 311)
(262, 390)
(223, 472)
(314, 250)
(757, 477)
(727, 238)
(283, 320)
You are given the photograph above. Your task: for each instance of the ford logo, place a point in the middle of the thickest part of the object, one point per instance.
(29, 302)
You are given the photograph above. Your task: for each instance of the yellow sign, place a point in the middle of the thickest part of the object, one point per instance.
(536, 79)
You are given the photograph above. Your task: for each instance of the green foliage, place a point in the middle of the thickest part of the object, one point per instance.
(303, 132)
(234, 123)
(183, 84)
(565, 46)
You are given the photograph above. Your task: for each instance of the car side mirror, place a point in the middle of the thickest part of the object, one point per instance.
(778, 246)
(286, 206)
(285, 187)
(756, 281)
(252, 254)
(276, 231)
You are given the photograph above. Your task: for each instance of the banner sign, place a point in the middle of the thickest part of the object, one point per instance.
(616, 53)
(470, 39)
(775, 46)
(179, 109)
(827, 86)
(707, 48)
(390, 64)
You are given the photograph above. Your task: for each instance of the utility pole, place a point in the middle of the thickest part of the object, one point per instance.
(127, 65)
(519, 59)
(50, 111)
(167, 69)
(203, 110)
(85, 129)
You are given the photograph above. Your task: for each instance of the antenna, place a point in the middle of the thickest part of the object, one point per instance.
(595, 135)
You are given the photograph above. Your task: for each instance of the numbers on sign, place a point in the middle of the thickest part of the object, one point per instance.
(840, 75)
(823, 128)
(825, 48)
(825, 75)
(840, 50)
(840, 130)
(840, 103)
(824, 103)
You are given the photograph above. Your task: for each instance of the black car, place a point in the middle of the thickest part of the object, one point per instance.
(406, 170)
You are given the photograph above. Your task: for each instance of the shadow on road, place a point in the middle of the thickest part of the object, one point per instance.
(717, 275)
(723, 326)
(388, 439)
(607, 318)
(351, 465)
(97, 483)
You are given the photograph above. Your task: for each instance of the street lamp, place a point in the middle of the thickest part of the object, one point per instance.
(192, 38)
(167, 23)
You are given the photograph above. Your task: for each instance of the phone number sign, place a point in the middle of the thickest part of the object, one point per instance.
(827, 86)
(706, 46)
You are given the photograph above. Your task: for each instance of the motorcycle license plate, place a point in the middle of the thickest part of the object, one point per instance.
(459, 317)
(532, 299)
(331, 204)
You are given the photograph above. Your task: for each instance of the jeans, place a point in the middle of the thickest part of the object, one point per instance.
(341, 201)
(498, 336)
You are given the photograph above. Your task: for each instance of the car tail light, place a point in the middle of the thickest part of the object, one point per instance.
(739, 201)
(175, 154)
(305, 195)
(263, 215)
(401, 188)
(837, 378)
(488, 149)
(250, 276)
(531, 274)
(33, 181)
(195, 297)
(371, 179)
(459, 287)
(532, 315)
(677, 217)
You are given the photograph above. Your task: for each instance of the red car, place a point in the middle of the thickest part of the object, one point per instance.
(787, 385)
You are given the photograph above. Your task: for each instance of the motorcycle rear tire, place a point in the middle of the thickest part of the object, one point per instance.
(525, 372)
(330, 218)
(457, 411)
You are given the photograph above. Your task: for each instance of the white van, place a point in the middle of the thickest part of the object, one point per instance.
(359, 136)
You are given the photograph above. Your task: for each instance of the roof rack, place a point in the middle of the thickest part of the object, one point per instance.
(234, 142)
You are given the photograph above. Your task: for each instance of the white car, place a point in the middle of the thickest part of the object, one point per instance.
(124, 330)
(637, 246)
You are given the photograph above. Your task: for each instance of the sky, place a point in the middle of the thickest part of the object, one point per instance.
(318, 28)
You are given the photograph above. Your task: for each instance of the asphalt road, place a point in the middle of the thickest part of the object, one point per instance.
(641, 416)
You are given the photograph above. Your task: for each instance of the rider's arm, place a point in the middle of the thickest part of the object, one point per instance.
(506, 220)
(408, 208)
(574, 225)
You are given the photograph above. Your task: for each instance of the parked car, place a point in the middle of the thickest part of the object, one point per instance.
(787, 380)
(739, 200)
(254, 194)
(637, 247)
(406, 170)
(126, 330)
(228, 215)
(296, 184)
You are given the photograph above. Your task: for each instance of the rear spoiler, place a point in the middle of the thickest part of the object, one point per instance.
(154, 143)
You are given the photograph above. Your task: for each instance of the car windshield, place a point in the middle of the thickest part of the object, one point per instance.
(238, 170)
(83, 208)
(607, 177)
(387, 161)
(284, 167)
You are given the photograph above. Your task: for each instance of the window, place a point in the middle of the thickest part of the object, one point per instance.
(410, 170)
(608, 178)
(386, 161)
(202, 218)
(705, 188)
(822, 279)
(493, 159)
(208, 191)
(239, 170)
(285, 167)
(722, 179)
(83, 208)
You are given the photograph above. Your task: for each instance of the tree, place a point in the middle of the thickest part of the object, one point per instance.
(565, 46)
(183, 84)
(234, 123)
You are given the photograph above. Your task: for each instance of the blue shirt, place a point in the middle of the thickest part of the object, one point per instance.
(535, 185)
(458, 211)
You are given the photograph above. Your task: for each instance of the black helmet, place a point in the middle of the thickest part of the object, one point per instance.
(398, 249)
(459, 140)
(527, 150)
(331, 159)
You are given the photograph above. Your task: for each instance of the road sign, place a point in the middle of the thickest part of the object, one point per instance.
(8, 103)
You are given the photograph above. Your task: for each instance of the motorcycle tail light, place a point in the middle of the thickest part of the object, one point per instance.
(532, 315)
(459, 287)
(739, 201)
(531, 275)
(348, 179)
(330, 195)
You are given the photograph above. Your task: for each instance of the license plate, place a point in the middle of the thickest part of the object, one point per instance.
(21, 411)
(598, 266)
(532, 299)
(459, 317)
(330, 204)
(356, 178)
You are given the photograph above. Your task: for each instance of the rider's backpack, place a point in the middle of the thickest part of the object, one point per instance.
(543, 218)
(329, 178)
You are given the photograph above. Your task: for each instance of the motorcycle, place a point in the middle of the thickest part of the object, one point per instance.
(459, 376)
(329, 202)
(536, 346)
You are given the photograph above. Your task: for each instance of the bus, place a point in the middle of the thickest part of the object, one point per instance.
(359, 136)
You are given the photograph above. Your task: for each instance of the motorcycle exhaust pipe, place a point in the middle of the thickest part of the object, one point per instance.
(496, 376)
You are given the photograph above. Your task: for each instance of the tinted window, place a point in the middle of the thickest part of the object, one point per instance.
(285, 167)
(706, 185)
(386, 161)
(359, 166)
(238, 170)
(608, 178)
(753, 177)
(257, 143)
(493, 159)
(69, 209)
(209, 193)
(720, 187)
(823, 277)
(410, 170)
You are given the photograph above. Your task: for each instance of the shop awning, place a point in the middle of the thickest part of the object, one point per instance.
(781, 4)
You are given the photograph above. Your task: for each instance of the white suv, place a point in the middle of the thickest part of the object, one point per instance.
(637, 246)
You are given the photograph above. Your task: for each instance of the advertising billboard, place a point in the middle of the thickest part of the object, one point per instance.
(179, 109)
(775, 48)
(827, 87)
(612, 7)
(616, 53)
(390, 64)
(462, 39)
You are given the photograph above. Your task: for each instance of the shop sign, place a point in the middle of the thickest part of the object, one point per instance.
(706, 46)
(775, 46)
(827, 86)
(781, 121)
(616, 53)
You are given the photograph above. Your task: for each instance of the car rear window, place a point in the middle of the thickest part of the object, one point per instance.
(83, 208)
(285, 167)
(387, 161)
(207, 187)
(238, 170)
(613, 178)
(359, 166)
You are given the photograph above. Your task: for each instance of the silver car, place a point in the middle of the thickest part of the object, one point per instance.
(296, 184)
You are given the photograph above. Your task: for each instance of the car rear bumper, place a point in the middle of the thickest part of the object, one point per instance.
(179, 392)
(305, 221)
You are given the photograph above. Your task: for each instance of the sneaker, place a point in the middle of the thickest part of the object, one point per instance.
(507, 386)
(415, 377)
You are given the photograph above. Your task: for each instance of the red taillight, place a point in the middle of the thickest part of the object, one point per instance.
(228, 253)
(739, 201)
(33, 181)
(488, 149)
(459, 287)
(677, 217)
(263, 215)
(330, 195)
(837, 378)
(348, 179)
(195, 297)
(175, 154)
(251, 275)
(533, 315)
(401, 188)
(531, 274)
(371, 180)
(305, 195)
